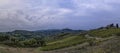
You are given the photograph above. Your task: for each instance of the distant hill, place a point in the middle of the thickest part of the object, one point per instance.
(39, 33)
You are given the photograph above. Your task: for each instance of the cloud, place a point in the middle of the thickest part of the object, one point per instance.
(44, 14)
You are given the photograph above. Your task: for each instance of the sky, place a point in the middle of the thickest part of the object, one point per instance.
(57, 14)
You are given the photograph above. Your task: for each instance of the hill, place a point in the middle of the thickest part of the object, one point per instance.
(70, 41)
(90, 39)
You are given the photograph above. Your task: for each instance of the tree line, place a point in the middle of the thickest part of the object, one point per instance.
(21, 42)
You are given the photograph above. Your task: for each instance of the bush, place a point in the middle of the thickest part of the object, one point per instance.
(20, 42)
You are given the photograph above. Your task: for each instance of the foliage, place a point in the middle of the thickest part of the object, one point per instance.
(19, 42)
(3, 37)
(23, 38)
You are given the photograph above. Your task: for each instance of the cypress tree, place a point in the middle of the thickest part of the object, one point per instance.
(117, 26)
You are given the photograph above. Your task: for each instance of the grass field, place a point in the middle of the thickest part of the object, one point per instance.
(70, 41)
(98, 42)
(74, 40)
(104, 33)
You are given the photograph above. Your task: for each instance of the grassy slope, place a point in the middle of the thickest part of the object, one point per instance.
(109, 46)
(70, 41)
(74, 40)
(58, 37)
(104, 33)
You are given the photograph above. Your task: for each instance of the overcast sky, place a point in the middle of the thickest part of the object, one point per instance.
(57, 14)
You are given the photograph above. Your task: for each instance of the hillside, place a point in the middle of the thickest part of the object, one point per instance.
(39, 33)
(109, 46)
(93, 41)
(92, 38)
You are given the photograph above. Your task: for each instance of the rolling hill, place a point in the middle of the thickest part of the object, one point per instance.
(70, 41)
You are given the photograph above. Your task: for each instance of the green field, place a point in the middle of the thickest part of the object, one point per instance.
(78, 39)
(70, 41)
(104, 33)
(96, 38)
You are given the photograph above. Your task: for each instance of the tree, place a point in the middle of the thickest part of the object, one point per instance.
(117, 26)
(4, 37)
(111, 25)
(40, 41)
(33, 42)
